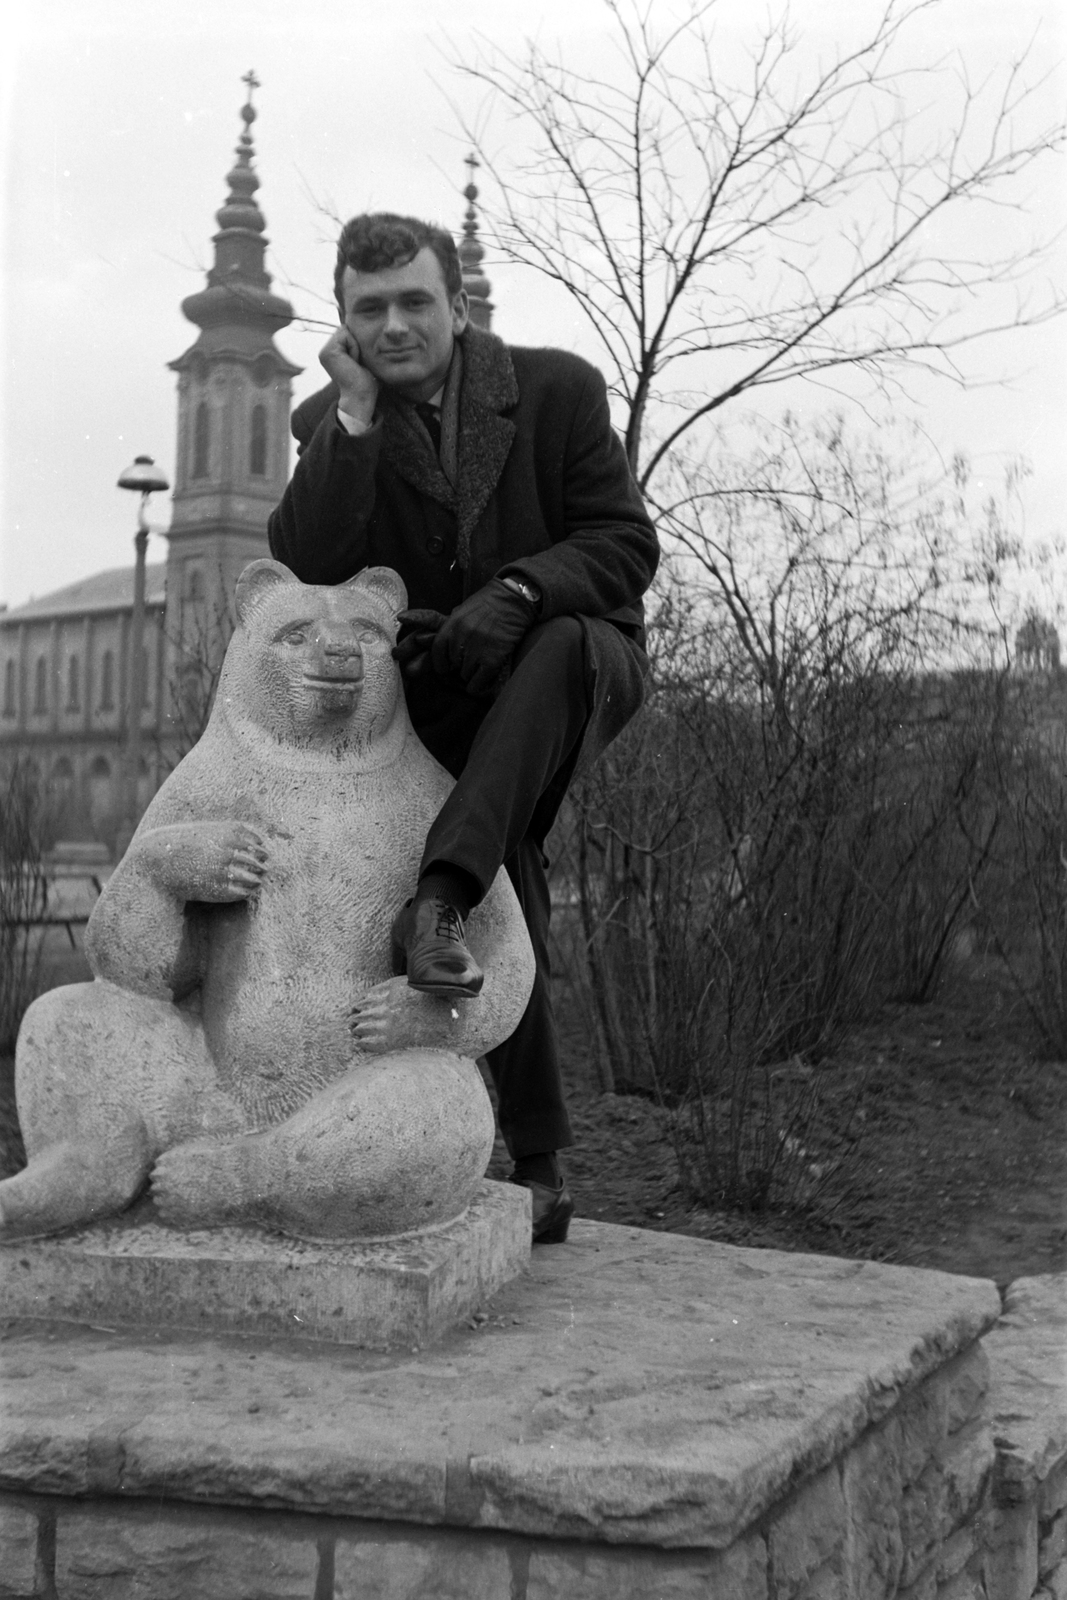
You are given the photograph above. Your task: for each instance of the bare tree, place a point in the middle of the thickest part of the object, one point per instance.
(197, 646)
(723, 233)
(1037, 644)
(23, 892)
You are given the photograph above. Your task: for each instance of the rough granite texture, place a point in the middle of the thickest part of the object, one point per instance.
(631, 1388)
(18, 1548)
(133, 1272)
(1028, 1352)
(246, 1044)
(1026, 1531)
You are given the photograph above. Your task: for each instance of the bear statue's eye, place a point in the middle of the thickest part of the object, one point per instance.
(296, 635)
(366, 633)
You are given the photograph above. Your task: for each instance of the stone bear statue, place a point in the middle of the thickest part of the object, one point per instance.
(245, 1046)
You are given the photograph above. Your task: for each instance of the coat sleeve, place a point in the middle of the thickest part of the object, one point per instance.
(609, 551)
(319, 529)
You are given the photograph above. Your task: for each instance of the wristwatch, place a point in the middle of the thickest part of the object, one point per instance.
(529, 591)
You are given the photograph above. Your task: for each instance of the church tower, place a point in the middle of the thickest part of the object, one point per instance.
(234, 392)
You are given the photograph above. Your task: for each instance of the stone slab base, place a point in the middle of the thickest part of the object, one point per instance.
(630, 1389)
(133, 1271)
(636, 1417)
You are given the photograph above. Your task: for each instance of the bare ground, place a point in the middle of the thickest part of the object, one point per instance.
(959, 1160)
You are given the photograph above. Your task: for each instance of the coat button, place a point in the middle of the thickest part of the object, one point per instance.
(435, 545)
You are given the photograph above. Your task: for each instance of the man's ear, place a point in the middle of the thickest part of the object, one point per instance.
(255, 580)
(379, 580)
(461, 310)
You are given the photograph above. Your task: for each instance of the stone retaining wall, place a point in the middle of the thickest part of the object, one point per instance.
(1026, 1519)
(934, 1467)
(899, 1514)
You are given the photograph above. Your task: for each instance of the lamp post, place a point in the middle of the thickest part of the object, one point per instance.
(144, 478)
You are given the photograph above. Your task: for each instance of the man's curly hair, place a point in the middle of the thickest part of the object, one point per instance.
(378, 239)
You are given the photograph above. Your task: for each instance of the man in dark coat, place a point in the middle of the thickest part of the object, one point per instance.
(491, 479)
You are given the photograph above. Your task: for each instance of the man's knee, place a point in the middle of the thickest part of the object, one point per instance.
(561, 639)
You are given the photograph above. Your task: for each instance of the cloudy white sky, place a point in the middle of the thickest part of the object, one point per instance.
(118, 120)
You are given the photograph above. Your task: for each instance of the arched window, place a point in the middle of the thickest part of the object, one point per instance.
(40, 686)
(62, 779)
(194, 588)
(73, 684)
(146, 698)
(201, 441)
(100, 795)
(107, 681)
(10, 681)
(257, 454)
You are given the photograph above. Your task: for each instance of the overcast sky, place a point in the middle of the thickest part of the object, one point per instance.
(118, 125)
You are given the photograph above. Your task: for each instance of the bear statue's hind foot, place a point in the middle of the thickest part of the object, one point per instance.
(72, 1184)
(206, 1183)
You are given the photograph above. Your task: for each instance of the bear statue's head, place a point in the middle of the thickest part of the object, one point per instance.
(310, 666)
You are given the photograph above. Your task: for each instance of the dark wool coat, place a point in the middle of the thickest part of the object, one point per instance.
(543, 492)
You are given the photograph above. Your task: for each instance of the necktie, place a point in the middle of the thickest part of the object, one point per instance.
(431, 419)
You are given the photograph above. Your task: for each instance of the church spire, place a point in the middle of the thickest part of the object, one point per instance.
(234, 390)
(471, 255)
(238, 291)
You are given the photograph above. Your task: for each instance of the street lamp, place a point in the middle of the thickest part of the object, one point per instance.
(144, 478)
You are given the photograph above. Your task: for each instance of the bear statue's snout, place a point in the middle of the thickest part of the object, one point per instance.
(337, 657)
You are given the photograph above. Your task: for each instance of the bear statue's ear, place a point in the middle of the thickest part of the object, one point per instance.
(383, 581)
(255, 580)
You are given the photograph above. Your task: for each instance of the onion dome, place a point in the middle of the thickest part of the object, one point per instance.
(471, 255)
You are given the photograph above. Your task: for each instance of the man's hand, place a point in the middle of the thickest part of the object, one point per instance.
(480, 637)
(359, 387)
(414, 637)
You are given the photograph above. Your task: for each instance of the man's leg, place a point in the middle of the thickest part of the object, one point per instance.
(526, 1067)
(528, 734)
(524, 747)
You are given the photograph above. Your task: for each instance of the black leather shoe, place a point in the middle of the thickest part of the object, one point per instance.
(430, 937)
(552, 1210)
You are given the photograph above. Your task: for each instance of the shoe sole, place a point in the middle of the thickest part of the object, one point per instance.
(449, 991)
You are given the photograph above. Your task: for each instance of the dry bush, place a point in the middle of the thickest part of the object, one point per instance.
(23, 893)
(942, 823)
(1023, 912)
(796, 825)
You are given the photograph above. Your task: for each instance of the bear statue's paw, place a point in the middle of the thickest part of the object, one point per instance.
(201, 1184)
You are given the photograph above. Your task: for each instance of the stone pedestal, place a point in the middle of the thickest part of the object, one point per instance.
(638, 1416)
(133, 1272)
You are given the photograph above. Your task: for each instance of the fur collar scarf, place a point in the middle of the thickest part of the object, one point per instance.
(475, 436)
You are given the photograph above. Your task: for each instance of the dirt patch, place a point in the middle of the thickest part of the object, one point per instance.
(960, 1154)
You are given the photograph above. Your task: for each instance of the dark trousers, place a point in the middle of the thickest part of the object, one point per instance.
(512, 758)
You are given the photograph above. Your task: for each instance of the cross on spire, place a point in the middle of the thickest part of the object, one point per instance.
(252, 82)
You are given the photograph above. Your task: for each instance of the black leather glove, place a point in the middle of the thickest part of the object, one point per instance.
(414, 637)
(480, 637)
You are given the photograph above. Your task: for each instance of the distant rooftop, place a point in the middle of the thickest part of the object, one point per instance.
(104, 591)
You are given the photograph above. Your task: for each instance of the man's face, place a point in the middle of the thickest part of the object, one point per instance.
(404, 323)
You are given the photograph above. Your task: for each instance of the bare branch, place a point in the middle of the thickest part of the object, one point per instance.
(786, 222)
